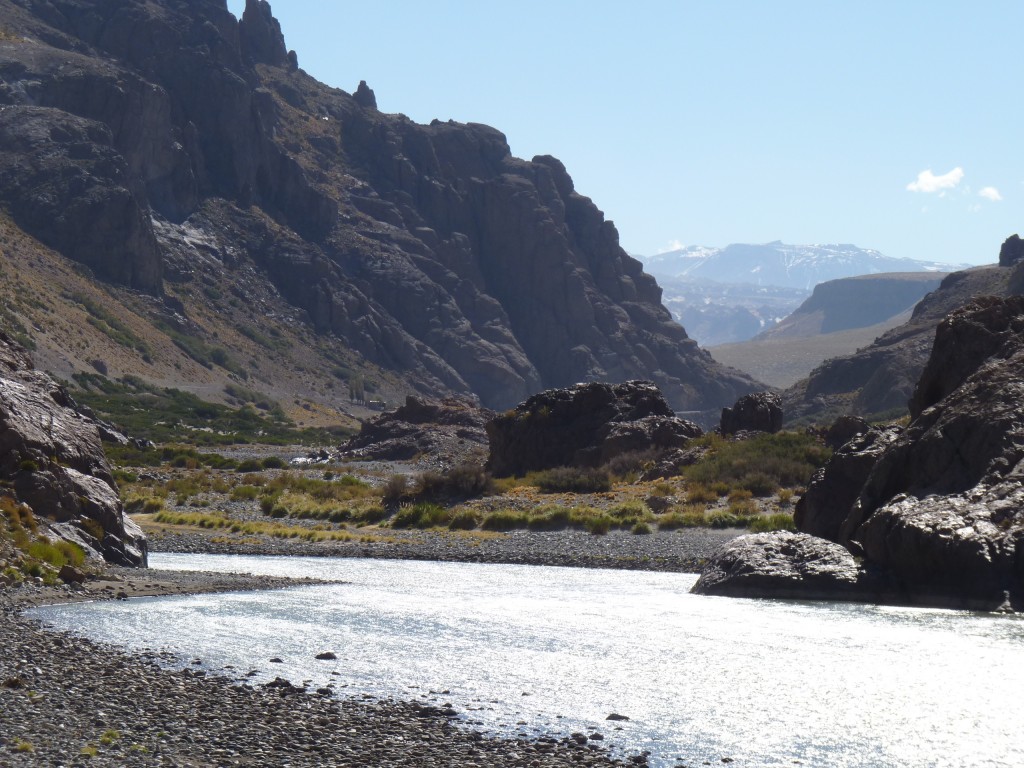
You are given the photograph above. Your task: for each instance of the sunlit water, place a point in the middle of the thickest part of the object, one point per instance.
(559, 649)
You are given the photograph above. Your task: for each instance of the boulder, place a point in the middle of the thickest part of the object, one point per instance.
(586, 426)
(759, 412)
(785, 565)
(448, 431)
(52, 458)
(843, 430)
(364, 96)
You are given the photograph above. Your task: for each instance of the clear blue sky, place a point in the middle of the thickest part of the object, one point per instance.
(708, 123)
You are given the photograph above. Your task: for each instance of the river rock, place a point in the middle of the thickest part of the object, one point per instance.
(586, 426)
(784, 565)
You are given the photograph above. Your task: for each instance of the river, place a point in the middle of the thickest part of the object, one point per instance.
(541, 650)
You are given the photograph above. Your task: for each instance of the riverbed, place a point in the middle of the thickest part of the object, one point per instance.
(524, 650)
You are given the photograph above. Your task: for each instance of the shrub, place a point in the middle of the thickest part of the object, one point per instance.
(420, 515)
(464, 520)
(692, 516)
(395, 490)
(573, 480)
(780, 521)
(759, 484)
(550, 518)
(28, 466)
(740, 494)
(244, 493)
(598, 525)
(271, 462)
(641, 528)
(785, 497)
(371, 514)
(250, 465)
(504, 520)
(787, 458)
(631, 463)
(701, 494)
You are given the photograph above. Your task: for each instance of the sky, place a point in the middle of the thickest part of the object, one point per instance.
(890, 125)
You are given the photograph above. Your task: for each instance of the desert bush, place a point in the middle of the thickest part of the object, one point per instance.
(740, 494)
(700, 494)
(395, 489)
(572, 480)
(631, 464)
(598, 525)
(785, 497)
(641, 528)
(273, 462)
(691, 516)
(759, 484)
(420, 515)
(244, 493)
(550, 518)
(464, 520)
(787, 458)
(505, 520)
(249, 465)
(780, 521)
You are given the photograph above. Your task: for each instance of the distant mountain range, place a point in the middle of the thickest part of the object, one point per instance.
(731, 294)
(778, 264)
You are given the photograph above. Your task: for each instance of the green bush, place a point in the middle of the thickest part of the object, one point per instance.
(641, 529)
(272, 462)
(572, 480)
(787, 459)
(250, 465)
(420, 515)
(244, 493)
(759, 484)
(598, 525)
(780, 521)
(505, 520)
(689, 517)
(549, 518)
(464, 520)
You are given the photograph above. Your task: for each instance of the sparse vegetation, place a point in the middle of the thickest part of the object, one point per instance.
(572, 480)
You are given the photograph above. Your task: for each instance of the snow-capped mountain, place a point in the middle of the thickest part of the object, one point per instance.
(778, 264)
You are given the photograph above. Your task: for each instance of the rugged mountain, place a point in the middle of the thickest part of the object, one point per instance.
(932, 511)
(180, 152)
(879, 379)
(778, 264)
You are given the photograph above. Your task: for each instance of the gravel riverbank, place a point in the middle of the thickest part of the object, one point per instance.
(65, 701)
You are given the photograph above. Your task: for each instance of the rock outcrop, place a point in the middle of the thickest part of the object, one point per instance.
(52, 459)
(759, 412)
(936, 508)
(448, 431)
(427, 250)
(586, 425)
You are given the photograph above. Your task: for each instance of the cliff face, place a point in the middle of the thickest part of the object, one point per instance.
(133, 130)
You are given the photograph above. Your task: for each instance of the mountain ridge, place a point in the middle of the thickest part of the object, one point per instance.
(428, 251)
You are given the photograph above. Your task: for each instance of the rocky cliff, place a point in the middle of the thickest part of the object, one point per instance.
(160, 143)
(933, 510)
(52, 461)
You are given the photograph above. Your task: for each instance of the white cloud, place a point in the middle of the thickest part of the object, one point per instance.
(974, 207)
(676, 245)
(990, 193)
(929, 182)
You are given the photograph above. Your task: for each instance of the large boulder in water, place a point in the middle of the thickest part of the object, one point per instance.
(586, 425)
(52, 458)
(784, 565)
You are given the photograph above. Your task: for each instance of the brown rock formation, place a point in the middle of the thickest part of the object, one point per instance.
(586, 425)
(50, 454)
(760, 412)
